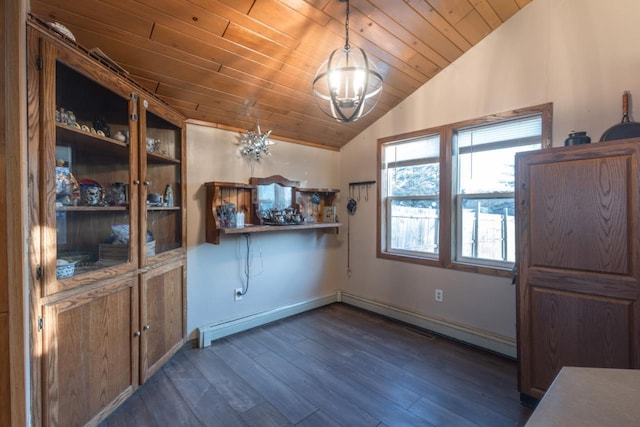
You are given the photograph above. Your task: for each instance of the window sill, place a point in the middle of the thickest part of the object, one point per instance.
(472, 268)
(482, 269)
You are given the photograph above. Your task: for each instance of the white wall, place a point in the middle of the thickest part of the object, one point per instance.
(579, 54)
(286, 267)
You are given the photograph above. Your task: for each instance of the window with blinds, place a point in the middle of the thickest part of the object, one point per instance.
(447, 193)
(485, 183)
(412, 187)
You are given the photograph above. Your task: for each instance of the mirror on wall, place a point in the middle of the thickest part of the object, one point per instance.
(274, 192)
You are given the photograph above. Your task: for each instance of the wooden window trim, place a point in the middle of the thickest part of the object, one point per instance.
(446, 256)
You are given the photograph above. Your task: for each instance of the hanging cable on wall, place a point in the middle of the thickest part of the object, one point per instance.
(247, 265)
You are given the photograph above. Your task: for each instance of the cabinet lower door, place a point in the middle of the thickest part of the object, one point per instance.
(574, 329)
(162, 314)
(90, 354)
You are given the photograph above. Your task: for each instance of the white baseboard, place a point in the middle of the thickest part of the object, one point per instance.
(477, 337)
(480, 338)
(206, 334)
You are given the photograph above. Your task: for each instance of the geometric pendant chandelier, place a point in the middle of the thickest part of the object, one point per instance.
(347, 85)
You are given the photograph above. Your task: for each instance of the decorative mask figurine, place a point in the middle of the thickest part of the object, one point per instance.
(91, 195)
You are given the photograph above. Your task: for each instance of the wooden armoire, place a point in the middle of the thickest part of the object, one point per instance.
(578, 281)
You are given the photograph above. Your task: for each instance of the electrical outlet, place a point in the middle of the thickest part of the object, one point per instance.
(237, 295)
(439, 295)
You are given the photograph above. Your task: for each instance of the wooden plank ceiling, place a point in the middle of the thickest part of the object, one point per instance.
(236, 63)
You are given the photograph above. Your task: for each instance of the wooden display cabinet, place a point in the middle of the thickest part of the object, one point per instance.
(88, 350)
(80, 161)
(161, 165)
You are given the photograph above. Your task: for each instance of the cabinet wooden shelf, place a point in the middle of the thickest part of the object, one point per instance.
(163, 208)
(91, 208)
(161, 158)
(77, 138)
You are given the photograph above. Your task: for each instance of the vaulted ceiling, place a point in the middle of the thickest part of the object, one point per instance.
(236, 63)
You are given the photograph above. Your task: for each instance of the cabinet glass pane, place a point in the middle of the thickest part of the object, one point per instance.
(164, 198)
(92, 174)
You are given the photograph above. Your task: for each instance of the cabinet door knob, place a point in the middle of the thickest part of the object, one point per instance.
(146, 328)
(136, 182)
(136, 334)
(147, 183)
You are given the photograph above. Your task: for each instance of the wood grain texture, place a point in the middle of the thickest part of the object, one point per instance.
(258, 58)
(85, 330)
(579, 279)
(5, 380)
(89, 355)
(579, 220)
(162, 316)
(334, 366)
(5, 372)
(577, 330)
(4, 276)
(15, 208)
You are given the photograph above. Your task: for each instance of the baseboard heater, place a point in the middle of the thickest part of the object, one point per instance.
(207, 334)
(476, 337)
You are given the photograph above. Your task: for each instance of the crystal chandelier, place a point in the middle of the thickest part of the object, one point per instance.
(348, 85)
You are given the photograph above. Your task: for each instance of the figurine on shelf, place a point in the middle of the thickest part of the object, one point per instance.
(117, 194)
(91, 194)
(122, 136)
(100, 124)
(227, 215)
(168, 196)
(71, 118)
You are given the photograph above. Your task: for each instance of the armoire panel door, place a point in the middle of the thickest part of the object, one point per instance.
(577, 261)
(572, 329)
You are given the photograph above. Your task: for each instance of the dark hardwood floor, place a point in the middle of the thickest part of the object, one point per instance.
(334, 366)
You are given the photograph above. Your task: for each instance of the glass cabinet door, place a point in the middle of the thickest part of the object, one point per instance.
(161, 169)
(94, 225)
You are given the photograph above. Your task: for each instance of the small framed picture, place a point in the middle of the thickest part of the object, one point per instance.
(329, 214)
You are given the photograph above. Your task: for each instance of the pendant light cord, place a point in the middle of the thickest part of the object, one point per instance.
(346, 29)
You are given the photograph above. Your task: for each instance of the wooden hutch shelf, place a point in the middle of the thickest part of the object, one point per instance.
(250, 228)
(244, 197)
